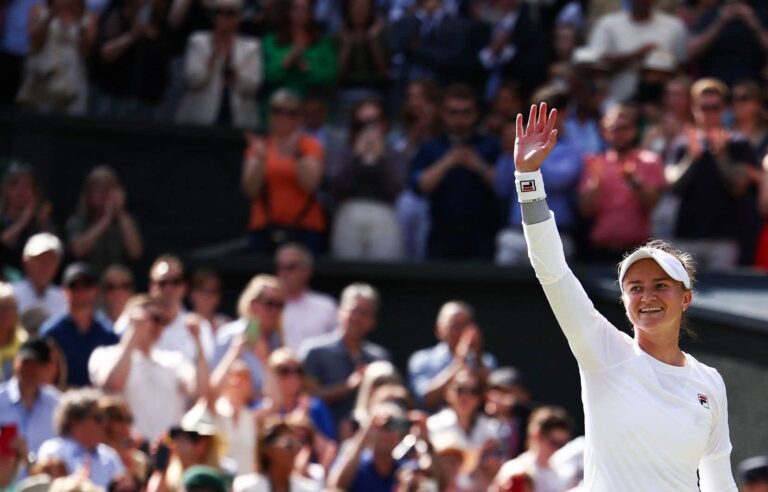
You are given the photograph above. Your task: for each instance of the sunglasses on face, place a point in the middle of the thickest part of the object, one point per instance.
(289, 371)
(112, 286)
(710, 108)
(289, 112)
(467, 390)
(81, 285)
(166, 282)
(270, 302)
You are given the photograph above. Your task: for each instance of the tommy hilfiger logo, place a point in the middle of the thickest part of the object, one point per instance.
(704, 400)
(528, 185)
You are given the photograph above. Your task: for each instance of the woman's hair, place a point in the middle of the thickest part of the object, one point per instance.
(269, 435)
(548, 418)
(74, 406)
(203, 275)
(99, 174)
(253, 290)
(708, 85)
(283, 17)
(432, 93)
(14, 173)
(377, 374)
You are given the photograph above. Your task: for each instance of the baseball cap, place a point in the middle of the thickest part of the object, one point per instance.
(35, 349)
(754, 469)
(204, 477)
(671, 265)
(42, 243)
(78, 271)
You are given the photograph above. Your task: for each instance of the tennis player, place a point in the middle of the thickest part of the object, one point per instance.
(654, 415)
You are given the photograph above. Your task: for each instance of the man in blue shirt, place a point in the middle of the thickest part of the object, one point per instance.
(455, 171)
(78, 332)
(25, 399)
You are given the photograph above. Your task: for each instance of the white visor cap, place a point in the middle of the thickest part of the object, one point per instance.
(671, 265)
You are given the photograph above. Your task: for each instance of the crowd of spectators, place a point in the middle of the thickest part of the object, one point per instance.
(381, 129)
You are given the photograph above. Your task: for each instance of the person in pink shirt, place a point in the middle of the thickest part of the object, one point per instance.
(619, 188)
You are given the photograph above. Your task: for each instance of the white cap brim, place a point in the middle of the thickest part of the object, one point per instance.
(671, 265)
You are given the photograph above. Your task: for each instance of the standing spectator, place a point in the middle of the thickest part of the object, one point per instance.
(588, 88)
(14, 46)
(25, 399)
(430, 370)
(223, 72)
(116, 289)
(205, 298)
(365, 188)
(623, 39)
(307, 313)
(41, 259)
(23, 212)
(80, 428)
(78, 333)
(281, 174)
(131, 67)
(729, 40)
(298, 55)
(126, 367)
(548, 431)
(619, 188)
(713, 170)
(563, 170)
(102, 231)
(62, 36)
(335, 362)
(260, 308)
(167, 284)
(12, 334)
(662, 136)
(455, 171)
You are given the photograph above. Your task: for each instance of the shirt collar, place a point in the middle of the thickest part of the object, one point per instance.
(14, 393)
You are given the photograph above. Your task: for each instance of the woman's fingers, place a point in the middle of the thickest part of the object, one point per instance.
(532, 119)
(542, 121)
(550, 123)
(519, 126)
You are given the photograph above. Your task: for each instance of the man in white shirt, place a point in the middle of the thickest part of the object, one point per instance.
(307, 313)
(623, 39)
(41, 259)
(167, 284)
(549, 430)
(155, 383)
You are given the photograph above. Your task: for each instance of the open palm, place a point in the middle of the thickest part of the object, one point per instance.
(533, 144)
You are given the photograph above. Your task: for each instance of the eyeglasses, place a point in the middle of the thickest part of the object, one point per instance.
(81, 285)
(279, 111)
(710, 108)
(284, 371)
(173, 281)
(468, 390)
(270, 302)
(111, 286)
(289, 267)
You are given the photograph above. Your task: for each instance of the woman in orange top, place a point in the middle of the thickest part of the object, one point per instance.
(281, 173)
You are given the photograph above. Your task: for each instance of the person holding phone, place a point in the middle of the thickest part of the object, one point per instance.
(655, 417)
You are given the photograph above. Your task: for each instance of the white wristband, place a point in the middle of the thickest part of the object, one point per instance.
(529, 186)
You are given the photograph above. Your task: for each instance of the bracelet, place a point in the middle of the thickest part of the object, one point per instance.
(529, 186)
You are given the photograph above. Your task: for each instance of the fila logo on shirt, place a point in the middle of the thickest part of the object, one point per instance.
(704, 401)
(528, 185)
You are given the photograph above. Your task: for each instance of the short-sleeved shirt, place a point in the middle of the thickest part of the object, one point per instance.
(52, 303)
(621, 220)
(309, 315)
(282, 192)
(103, 462)
(35, 424)
(327, 360)
(77, 346)
(444, 427)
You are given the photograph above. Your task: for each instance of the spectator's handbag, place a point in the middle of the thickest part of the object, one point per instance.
(279, 234)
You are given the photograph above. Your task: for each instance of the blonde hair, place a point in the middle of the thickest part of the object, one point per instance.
(376, 375)
(708, 85)
(253, 290)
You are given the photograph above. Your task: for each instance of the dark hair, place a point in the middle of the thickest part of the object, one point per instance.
(346, 12)
(203, 275)
(554, 96)
(460, 91)
(548, 418)
(14, 172)
(355, 126)
(271, 432)
(283, 15)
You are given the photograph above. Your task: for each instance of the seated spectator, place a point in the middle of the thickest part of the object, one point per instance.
(78, 333)
(130, 69)
(455, 171)
(754, 474)
(362, 55)
(460, 343)
(563, 169)
(712, 172)
(508, 400)
(260, 308)
(116, 289)
(125, 368)
(728, 40)
(463, 421)
(25, 399)
(12, 333)
(23, 213)
(307, 313)
(619, 188)
(277, 449)
(623, 39)
(222, 71)
(80, 428)
(40, 259)
(376, 375)
(102, 231)
(205, 298)
(368, 465)
(365, 188)
(298, 55)
(281, 173)
(486, 466)
(62, 35)
(548, 431)
(117, 435)
(335, 362)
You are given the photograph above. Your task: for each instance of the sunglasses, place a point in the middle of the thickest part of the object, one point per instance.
(278, 111)
(710, 108)
(397, 424)
(111, 286)
(174, 281)
(270, 302)
(284, 371)
(468, 390)
(288, 267)
(81, 285)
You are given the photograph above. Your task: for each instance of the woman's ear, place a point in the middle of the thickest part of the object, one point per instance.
(687, 299)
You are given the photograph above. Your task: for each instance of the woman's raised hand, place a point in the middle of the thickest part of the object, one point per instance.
(534, 144)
